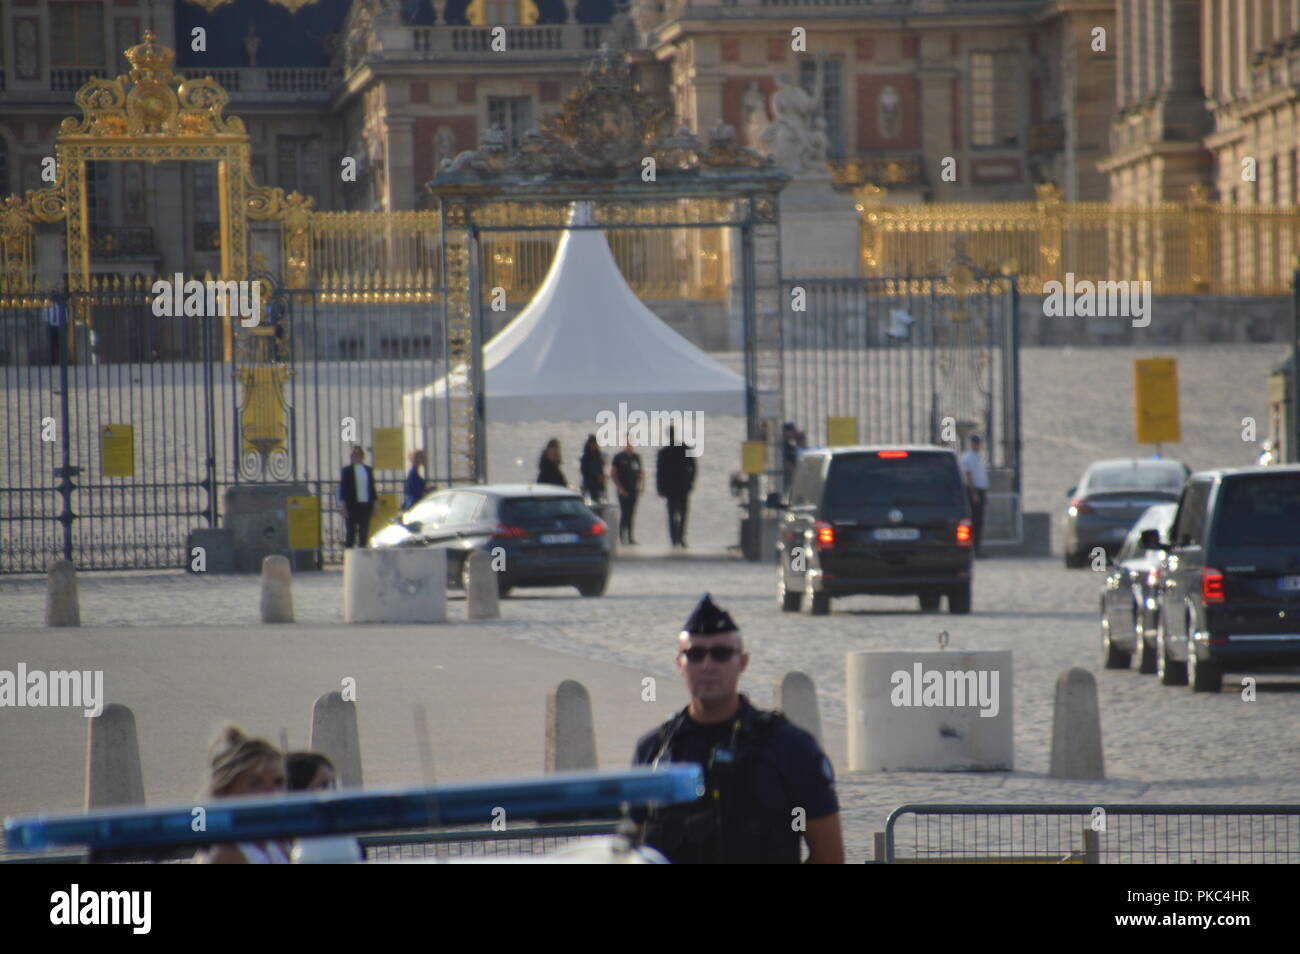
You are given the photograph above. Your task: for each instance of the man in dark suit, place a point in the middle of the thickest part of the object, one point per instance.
(357, 493)
(674, 478)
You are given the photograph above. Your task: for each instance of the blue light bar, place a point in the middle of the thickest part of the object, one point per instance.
(297, 815)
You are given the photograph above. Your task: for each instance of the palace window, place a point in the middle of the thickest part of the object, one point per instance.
(99, 188)
(832, 100)
(204, 206)
(514, 114)
(995, 99)
(76, 34)
(297, 164)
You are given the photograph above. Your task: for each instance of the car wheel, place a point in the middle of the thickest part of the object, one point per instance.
(1143, 649)
(595, 586)
(1074, 560)
(1170, 671)
(1112, 656)
(789, 599)
(929, 602)
(819, 604)
(1203, 676)
(503, 586)
(959, 600)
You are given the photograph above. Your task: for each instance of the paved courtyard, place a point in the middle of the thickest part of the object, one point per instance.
(484, 684)
(187, 652)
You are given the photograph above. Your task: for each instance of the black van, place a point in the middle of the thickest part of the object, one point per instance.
(1231, 595)
(891, 521)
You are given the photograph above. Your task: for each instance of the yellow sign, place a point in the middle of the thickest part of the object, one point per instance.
(753, 456)
(117, 450)
(387, 506)
(263, 423)
(388, 448)
(304, 523)
(1155, 390)
(841, 431)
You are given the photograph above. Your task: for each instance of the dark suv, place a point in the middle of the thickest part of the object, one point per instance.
(1231, 595)
(880, 520)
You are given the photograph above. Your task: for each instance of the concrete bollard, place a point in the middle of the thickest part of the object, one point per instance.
(1076, 727)
(277, 590)
(62, 607)
(796, 696)
(482, 599)
(946, 711)
(334, 733)
(570, 729)
(395, 585)
(113, 774)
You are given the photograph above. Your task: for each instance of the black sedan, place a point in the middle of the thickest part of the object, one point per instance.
(1112, 494)
(1129, 596)
(536, 535)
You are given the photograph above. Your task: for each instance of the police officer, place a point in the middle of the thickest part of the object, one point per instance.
(767, 782)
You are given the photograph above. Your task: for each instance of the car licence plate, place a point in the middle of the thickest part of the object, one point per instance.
(558, 538)
(896, 533)
(1289, 583)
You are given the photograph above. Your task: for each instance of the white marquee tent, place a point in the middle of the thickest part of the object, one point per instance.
(584, 344)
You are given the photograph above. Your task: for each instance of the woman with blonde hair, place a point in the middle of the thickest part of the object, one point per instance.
(244, 766)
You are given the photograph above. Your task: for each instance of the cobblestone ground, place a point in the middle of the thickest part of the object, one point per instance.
(1161, 744)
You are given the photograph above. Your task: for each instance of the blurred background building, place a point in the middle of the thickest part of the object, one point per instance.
(1131, 102)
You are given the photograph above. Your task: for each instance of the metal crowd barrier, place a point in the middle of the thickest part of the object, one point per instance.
(539, 840)
(1092, 834)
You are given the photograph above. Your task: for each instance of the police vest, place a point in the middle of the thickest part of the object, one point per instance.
(726, 825)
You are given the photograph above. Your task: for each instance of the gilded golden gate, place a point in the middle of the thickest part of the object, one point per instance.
(1195, 247)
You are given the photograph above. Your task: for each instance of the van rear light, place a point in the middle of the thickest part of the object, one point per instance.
(825, 535)
(503, 531)
(964, 533)
(1211, 585)
(891, 455)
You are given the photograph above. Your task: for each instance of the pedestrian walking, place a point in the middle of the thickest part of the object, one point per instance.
(357, 495)
(767, 783)
(592, 466)
(793, 443)
(977, 488)
(415, 484)
(56, 319)
(629, 480)
(548, 466)
(674, 478)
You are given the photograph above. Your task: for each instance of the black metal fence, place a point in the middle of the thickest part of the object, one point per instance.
(120, 428)
(1093, 834)
(913, 361)
(901, 355)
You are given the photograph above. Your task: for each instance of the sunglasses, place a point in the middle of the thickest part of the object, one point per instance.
(719, 653)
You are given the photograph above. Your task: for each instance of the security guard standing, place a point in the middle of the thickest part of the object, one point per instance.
(767, 782)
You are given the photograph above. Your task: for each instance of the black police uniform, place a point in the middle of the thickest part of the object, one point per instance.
(758, 769)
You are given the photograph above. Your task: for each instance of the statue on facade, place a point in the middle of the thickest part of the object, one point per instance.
(622, 31)
(753, 114)
(251, 42)
(797, 138)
